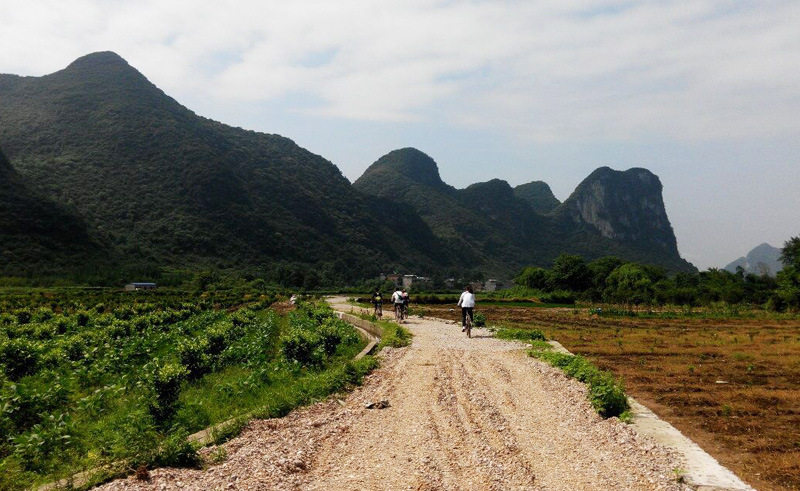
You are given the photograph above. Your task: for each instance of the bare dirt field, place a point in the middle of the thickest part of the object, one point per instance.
(732, 385)
(471, 414)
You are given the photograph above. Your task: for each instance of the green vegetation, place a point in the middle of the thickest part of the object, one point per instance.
(520, 334)
(394, 335)
(92, 378)
(615, 281)
(606, 394)
(499, 228)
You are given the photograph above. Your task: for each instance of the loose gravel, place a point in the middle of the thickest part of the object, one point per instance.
(462, 414)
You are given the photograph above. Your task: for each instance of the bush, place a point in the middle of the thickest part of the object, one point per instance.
(521, 334)
(301, 347)
(193, 355)
(166, 383)
(607, 396)
(479, 319)
(20, 357)
(331, 336)
(558, 296)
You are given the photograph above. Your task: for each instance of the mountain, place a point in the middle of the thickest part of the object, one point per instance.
(610, 213)
(37, 232)
(538, 195)
(762, 260)
(170, 187)
(106, 166)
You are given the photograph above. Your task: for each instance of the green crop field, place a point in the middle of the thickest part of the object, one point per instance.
(94, 378)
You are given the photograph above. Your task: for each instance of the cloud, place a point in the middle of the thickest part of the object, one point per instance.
(541, 71)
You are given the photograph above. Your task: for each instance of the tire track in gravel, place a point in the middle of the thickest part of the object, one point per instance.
(464, 414)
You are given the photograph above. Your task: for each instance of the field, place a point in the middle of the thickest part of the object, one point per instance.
(110, 380)
(730, 380)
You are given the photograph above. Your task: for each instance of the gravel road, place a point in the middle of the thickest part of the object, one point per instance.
(463, 414)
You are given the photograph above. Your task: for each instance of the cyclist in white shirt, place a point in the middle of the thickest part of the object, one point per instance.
(467, 304)
(397, 300)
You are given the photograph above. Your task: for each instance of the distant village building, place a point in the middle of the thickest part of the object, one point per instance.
(495, 285)
(406, 280)
(477, 286)
(131, 287)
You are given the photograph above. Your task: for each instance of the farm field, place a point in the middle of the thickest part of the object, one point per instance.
(111, 381)
(729, 382)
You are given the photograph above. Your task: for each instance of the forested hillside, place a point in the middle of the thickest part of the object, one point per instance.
(169, 187)
(114, 171)
(34, 231)
(610, 213)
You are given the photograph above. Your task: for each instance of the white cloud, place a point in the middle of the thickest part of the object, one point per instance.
(543, 71)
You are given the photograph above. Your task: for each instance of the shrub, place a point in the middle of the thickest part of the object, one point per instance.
(20, 357)
(606, 394)
(193, 356)
(480, 319)
(331, 336)
(301, 347)
(166, 383)
(563, 297)
(521, 334)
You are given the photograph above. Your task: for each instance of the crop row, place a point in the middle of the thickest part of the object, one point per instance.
(82, 388)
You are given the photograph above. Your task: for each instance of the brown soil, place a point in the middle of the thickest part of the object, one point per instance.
(731, 385)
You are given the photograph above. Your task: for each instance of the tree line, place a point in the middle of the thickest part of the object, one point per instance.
(613, 280)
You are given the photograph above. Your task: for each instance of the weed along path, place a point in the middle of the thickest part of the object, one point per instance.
(460, 414)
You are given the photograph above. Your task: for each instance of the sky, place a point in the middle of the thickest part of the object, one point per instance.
(704, 93)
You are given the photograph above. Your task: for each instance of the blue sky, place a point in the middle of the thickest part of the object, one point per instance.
(705, 93)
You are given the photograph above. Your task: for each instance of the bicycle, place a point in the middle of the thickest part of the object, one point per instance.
(468, 325)
(398, 312)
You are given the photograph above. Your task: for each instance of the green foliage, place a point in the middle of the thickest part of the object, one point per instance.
(520, 334)
(605, 393)
(569, 272)
(480, 319)
(394, 335)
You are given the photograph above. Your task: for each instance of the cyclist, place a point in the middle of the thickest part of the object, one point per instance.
(467, 304)
(377, 302)
(397, 300)
(406, 300)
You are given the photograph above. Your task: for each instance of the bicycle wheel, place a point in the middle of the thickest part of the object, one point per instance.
(469, 326)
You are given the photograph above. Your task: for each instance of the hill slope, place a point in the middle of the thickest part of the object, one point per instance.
(36, 232)
(168, 186)
(610, 213)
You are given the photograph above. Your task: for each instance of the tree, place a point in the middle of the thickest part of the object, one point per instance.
(629, 284)
(569, 272)
(789, 276)
(533, 277)
(790, 254)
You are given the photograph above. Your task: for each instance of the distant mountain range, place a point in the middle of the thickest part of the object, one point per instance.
(762, 260)
(106, 167)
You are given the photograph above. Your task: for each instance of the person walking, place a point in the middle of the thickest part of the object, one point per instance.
(467, 304)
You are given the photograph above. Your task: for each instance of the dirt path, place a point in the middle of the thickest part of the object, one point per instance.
(471, 414)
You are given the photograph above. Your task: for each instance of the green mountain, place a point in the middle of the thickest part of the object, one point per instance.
(610, 213)
(169, 187)
(35, 231)
(538, 195)
(109, 169)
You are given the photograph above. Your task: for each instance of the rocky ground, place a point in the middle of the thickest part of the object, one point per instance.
(471, 414)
